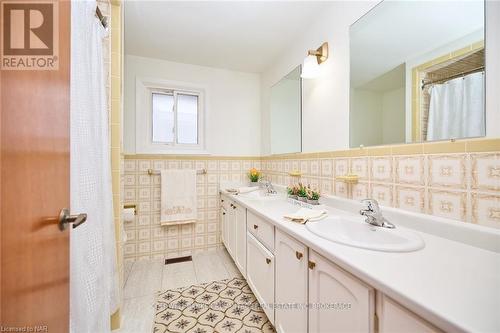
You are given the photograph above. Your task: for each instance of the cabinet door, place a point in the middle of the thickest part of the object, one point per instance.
(223, 214)
(339, 302)
(260, 274)
(231, 230)
(291, 284)
(394, 318)
(241, 239)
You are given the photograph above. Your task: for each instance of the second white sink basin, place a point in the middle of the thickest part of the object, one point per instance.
(355, 232)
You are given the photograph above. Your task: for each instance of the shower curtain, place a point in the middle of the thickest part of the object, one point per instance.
(457, 109)
(93, 269)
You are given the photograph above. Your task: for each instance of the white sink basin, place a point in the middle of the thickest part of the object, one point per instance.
(259, 195)
(355, 232)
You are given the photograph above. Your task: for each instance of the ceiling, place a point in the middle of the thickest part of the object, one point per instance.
(397, 31)
(241, 35)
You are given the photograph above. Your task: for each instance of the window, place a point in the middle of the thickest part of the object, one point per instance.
(175, 117)
(169, 117)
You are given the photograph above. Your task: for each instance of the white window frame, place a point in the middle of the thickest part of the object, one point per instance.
(145, 87)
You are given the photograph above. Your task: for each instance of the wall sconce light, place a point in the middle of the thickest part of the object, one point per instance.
(310, 68)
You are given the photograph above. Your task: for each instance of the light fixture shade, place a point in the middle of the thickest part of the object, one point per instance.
(310, 68)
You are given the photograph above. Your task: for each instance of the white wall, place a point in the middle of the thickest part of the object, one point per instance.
(326, 99)
(377, 118)
(233, 120)
(366, 118)
(285, 117)
(393, 116)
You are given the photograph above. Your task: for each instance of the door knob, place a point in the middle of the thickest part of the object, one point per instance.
(65, 218)
(298, 255)
(268, 261)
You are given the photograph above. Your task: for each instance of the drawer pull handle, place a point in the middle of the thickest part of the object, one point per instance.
(223, 213)
(298, 255)
(234, 207)
(255, 226)
(268, 261)
(311, 264)
(221, 200)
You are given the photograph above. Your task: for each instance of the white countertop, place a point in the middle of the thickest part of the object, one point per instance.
(453, 285)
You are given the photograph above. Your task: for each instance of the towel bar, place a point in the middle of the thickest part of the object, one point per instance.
(157, 172)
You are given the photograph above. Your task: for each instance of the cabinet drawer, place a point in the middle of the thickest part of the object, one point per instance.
(260, 274)
(262, 230)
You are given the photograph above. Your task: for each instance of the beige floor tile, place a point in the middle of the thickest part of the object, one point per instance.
(178, 275)
(209, 266)
(144, 279)
(138, 314)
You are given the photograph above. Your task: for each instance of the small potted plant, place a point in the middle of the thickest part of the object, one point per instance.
(312, 197)
(302, 193)
(292, 191)
(254, 175)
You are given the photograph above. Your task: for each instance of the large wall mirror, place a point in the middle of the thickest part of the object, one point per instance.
(417, 72)
(286, 114)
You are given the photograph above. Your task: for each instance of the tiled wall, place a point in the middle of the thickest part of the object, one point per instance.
(463, 185)
(459, 186)
(146, 239)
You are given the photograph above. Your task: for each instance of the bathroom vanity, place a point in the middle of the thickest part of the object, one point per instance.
(308, 283)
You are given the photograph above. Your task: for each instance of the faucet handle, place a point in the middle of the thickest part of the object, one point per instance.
(371, 204)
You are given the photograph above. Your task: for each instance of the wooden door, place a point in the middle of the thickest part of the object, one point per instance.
(339, 301)
(291, 285)
(35, 174)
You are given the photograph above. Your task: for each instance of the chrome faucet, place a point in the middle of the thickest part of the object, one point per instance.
(269, 186)
(374, 215)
